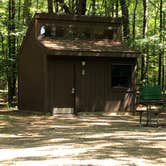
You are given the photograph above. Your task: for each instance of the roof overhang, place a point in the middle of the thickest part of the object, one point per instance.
(98, 48)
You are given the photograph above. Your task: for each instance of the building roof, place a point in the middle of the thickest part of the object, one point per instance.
(87, 48)
(75, 18)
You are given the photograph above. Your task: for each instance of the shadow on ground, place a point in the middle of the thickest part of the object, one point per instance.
(34, 139)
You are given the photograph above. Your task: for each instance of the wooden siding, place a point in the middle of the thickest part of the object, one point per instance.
(31, 77)
(93, 90)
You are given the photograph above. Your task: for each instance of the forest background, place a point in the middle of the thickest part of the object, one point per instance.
(143, 29)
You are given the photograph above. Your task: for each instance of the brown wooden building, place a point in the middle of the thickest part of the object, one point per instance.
(76, 63)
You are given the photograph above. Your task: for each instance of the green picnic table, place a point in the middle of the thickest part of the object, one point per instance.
(150, 96)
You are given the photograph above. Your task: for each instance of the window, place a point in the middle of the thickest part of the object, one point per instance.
(45, 31)
(78, 31)
(121, 75)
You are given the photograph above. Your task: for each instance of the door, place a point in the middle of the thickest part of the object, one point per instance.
(79, 85)
(92, 85)
(61, 85)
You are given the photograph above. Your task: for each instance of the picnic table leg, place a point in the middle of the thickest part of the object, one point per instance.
(150, 118)
(147, 117)
(157, 119)
(148, 122)
(140, 120)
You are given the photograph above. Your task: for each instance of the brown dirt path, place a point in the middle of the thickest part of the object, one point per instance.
(27, 139)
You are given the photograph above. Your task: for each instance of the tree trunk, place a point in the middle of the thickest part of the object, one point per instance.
(156, 10)
(2, 44)
(37, 5)
(50, 6)
(164, 58)
(117, 9)
(144, 62)
(81, 7)
(63, 6)
(19, 9)
(93, 7)
(56, 6)
(145, 17)
(26, 12)
(11, 52)
(112, 9)
(134, 16)
(160, 50)
(125, 15)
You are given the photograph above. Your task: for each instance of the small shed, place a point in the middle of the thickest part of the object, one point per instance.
(76, 63)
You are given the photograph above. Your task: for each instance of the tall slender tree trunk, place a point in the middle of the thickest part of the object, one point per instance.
(93, 7)
(144, 59)
(164, 58)
(3, 83)
(37, 5)
(2, 43)
(11, 52)
(81, 7)
(160, 50)
(111, 8)
(134, 17)
(125, 15)
(156, 16)
(56, 5)
(145, 18)
(26, 12)
(63, 6)
(50, 6)
(117, 9)
(19, 9)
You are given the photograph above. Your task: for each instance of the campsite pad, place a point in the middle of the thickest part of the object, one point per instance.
(32, 139)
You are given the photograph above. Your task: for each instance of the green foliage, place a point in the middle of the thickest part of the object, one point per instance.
(154, 40)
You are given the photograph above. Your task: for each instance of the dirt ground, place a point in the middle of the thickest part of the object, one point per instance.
(91, 140)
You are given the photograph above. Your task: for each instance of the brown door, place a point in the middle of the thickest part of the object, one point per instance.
(77, 85)
(92, 86)
(61, 82)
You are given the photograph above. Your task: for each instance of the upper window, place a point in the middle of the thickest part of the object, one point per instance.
(79, 31)
(121, 75)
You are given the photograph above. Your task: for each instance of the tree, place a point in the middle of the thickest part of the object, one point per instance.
(147, 28)
(117, 9)
(93, 7)
(26, 12)
(144, 59)
(81, 7)
(134, 17)
(62, 4)
(125, 15)
(160, 50)
(11, 75)
(50, 6)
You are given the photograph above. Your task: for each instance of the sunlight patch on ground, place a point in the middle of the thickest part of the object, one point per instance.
(67, 155)
(52, 151)
(70, 162)
(86, 162)
(9, 136)
(95, 141)
(56, 140)
(26, 157)
(29, 135)
(142, 136)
